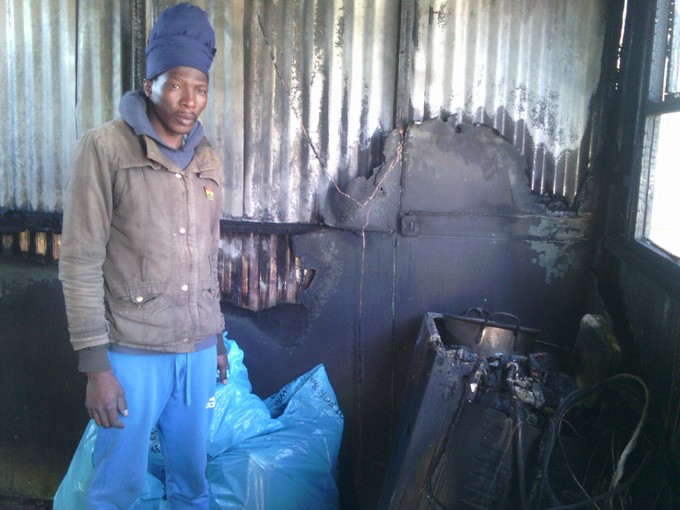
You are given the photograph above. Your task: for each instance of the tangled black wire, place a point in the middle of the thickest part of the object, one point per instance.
(552, 435)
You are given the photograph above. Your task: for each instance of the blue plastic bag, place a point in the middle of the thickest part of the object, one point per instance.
(278, 453)
(292, 467)
(72, 492)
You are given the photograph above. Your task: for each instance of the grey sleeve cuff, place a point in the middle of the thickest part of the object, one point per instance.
(94, 359)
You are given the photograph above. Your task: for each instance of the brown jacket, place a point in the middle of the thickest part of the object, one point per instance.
(140, 243)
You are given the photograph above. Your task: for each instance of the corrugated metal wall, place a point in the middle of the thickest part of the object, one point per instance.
(259, 270)
(302, 89)
(320, 81)
(103, 58)
(528, 68)
(301, 93)
(38, 55)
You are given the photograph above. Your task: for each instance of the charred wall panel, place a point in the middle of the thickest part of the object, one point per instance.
(467, 232)
(646, 307)
(473, 236)
(639, 288)
(344, 321)
(41, 414)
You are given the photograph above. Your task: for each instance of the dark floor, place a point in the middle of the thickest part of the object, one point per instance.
(8, 503)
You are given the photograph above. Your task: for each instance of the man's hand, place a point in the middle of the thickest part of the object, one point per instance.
(222, 367)
(104, 399)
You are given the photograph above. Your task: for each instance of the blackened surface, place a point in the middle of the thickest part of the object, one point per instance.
(344, 323)
(42, 414)
(451, 226)
(369, 203)
(435, 381)
(448, 222)
(449, 275)
(481, 240)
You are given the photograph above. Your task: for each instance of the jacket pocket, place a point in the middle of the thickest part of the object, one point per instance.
(143, 313)
(146, 295)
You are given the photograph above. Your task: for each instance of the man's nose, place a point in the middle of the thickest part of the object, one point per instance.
(188, 99)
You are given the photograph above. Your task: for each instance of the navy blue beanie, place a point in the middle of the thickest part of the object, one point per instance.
(181, 36)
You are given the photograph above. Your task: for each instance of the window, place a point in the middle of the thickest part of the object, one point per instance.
(658, 208)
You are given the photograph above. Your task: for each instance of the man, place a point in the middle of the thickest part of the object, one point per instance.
(139, 271)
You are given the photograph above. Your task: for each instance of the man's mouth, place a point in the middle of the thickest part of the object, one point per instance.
(185, 118)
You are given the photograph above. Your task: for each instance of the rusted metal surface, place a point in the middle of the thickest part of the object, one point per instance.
(259, 271)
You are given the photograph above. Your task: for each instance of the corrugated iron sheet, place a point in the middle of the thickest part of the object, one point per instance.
(302, 92)
(38, 55)
(302, 89)
(103, 61)
(320, 84)
(528, 68)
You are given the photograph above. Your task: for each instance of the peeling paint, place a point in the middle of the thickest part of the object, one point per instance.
(553, 258)
(552, 245)
(561, 229)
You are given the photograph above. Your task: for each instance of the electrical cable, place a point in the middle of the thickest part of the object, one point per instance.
(513, 368)
(554, 428)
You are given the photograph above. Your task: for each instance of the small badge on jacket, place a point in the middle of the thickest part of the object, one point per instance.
(209, 193)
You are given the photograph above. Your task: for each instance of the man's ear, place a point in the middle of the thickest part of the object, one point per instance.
(147, 88)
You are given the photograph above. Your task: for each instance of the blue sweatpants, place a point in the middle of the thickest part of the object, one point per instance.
(175, 392)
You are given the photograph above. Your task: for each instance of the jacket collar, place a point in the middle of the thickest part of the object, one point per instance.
(203, 160)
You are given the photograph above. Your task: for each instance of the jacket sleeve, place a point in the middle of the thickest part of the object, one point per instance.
(88, 206)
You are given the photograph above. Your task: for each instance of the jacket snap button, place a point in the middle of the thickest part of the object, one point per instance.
(182, 230)
(179, 176)
(186, 340)
(185, 287)
(139, 299)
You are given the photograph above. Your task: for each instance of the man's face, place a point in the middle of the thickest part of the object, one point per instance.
(177, 98)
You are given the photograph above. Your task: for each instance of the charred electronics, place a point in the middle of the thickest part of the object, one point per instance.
(494, 418)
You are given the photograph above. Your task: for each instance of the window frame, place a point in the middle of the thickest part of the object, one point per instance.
(651, 47)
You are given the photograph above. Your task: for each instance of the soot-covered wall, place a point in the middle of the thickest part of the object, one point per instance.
(446, 223)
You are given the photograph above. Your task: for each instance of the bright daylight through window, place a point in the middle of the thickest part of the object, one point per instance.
(658, 220)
